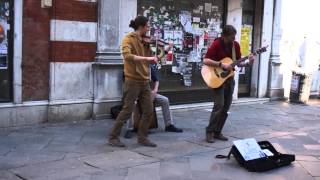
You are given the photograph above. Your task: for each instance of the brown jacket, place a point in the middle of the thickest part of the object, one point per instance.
(135, 70)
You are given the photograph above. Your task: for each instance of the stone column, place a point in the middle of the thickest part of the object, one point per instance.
(275, 86)
(235, 19)
(108, 50)
(108, 66)
(266, 39)
(113, 23)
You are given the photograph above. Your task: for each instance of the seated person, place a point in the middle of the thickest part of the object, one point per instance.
(159, 100)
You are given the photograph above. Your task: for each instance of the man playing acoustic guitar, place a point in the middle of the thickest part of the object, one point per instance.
(223, 47)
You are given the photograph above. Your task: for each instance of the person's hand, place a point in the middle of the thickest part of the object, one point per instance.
(153, 94)
(226, 67)
(251, 59)
(153, 60)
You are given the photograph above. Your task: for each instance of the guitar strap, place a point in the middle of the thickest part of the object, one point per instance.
(234, 56)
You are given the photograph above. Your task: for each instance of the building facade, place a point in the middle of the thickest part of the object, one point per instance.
(62, 60)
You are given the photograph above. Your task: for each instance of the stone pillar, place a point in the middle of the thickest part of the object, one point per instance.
(266, 39)
(108, 66)
(275, 86)
(234, 18)
(113, 23)
(108, 50)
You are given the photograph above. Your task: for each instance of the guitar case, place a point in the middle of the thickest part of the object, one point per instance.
(261, 164)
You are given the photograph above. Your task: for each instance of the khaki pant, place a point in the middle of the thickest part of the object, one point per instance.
(162, 101)
(134, 90)
(222, 99)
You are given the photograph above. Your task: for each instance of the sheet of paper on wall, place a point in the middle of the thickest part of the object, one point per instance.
(193, 57)
(185, 19)
(215, 9)
(178, 38)
(249, 149)
(246, 40)
(208, 7)
(196, 11)
(175, 69)
(169, 23)
(188, 28)
(168, 35)
(196, 19)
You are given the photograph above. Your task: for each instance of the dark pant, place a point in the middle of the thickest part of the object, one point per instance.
(134, 90)
(222, 99)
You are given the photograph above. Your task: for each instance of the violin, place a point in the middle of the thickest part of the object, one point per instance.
(151, 40)
(157, 46)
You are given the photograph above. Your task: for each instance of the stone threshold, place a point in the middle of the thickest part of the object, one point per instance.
(239, 101)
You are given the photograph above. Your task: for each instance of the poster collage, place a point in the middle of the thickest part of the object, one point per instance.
(190, 25)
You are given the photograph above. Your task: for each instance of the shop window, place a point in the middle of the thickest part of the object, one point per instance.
(192, 26)
(5, 50)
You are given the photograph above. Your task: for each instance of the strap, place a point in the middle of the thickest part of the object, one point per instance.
(219, 156)
(234, 56)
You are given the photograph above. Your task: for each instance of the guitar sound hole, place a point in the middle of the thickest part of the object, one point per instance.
(224, 74)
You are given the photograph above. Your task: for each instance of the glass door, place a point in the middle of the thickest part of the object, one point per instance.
(246, 44)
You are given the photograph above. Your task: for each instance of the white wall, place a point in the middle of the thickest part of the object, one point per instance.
(71, 81)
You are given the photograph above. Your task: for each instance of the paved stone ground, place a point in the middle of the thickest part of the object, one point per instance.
(78, 150)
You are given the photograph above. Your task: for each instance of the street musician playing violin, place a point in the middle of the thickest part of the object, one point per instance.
(137, 60)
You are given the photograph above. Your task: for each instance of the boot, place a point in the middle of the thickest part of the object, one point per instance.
(209, 137)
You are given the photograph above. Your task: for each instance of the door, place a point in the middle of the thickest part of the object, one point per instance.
(246, 42)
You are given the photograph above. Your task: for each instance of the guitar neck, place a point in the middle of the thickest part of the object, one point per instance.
(246, 57)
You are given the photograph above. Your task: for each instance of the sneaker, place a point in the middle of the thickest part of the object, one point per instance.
(221, 137)
(147, 143)
(115, 142)
(128, 134)
(209, 137)
(172, 128)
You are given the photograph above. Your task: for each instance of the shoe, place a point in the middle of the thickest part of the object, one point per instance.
(115, 142)
(172, 128)
(128, 134)
(147, 143)
(221, 137)
(209, 137)
(135, 130)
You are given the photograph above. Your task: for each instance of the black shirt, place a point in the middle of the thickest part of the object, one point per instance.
(154, 73)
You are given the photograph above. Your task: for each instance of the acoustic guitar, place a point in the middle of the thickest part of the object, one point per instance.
(214, 77)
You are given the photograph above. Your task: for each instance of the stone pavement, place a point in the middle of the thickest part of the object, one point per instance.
(78, 150)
